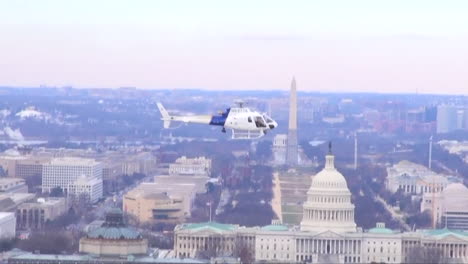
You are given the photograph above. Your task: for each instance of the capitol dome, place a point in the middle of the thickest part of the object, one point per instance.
(328, 205)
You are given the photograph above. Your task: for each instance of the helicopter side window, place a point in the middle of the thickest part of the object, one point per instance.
(259, 122)
(249, 119)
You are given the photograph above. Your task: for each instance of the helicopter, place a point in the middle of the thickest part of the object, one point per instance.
(244, 122)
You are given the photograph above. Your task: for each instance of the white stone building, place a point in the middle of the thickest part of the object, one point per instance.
(63, 172)
(450, 206)
(415, 179)
(327, 234)
(85, 188)
(7, 225)
(187, 166)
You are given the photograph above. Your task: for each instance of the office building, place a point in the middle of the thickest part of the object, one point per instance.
(447, 116)
(85, 189)
(63, 172)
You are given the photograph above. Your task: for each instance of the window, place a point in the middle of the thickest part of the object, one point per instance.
(249, 119)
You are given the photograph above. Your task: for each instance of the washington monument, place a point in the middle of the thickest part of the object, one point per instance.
(291, 151)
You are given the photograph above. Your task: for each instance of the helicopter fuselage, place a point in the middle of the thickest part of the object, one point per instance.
(235, 118)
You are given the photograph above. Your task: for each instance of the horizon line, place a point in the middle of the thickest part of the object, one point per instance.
(227, 90)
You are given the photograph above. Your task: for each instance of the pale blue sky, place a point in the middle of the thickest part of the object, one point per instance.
(385, 46)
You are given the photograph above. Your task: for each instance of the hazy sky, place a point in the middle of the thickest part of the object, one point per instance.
(373, 45)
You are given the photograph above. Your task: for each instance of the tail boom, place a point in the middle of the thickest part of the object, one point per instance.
(199, 119)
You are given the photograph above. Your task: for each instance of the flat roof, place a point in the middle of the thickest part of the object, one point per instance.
(6, 214)
(4, 180)
(73, 161)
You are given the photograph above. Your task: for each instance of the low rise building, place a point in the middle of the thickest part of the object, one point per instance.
(10, 201)
(7, 225)
(36, 214)
(155, 207)
(280, 141)
(187, 166)
(180, 195)
(13, 185)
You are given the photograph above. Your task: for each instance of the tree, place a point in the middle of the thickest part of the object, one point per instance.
(62, 221)
(33, 182)
(243, 252)
(420, 254)
(209, 187)
(49, 243)
(7, 244)
(2, 172)
(421, 219)
(263, 151)
(56, 192)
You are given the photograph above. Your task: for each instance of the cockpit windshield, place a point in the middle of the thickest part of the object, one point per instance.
(259, 121)
(267, 119)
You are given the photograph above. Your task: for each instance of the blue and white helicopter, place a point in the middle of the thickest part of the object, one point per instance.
(244, 123)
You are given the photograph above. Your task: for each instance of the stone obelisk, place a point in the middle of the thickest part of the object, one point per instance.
(291, 151)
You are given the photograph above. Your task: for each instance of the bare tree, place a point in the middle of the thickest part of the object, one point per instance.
(420, 254)
(243, 252)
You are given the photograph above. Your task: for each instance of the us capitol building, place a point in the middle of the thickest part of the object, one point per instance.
(327, 234)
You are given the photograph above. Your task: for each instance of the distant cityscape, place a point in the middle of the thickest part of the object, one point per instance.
(91, 176)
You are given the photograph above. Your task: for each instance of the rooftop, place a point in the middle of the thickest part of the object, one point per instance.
(73, 161)
(445, 232)
(275, 228)
(6, 214)
(210, 225)
(114, 228)
(8, 180)
(381, 230)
